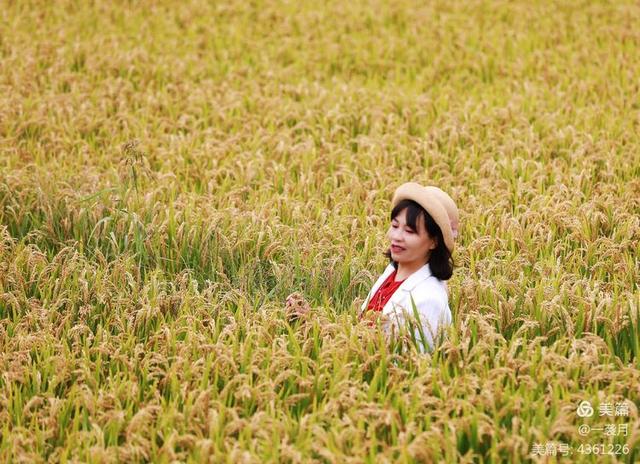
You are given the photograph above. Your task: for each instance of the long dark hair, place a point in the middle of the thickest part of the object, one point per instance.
(440, 261)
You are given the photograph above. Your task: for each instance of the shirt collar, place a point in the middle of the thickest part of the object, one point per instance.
(414, 279)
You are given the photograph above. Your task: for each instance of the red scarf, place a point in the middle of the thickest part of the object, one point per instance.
(382, 296)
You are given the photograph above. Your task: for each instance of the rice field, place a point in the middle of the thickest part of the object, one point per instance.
(171, 171)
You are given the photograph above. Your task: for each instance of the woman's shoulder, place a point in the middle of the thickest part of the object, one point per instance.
(430, 297)
(432, 288)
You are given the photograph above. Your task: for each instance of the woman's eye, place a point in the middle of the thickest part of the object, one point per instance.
(395, 227)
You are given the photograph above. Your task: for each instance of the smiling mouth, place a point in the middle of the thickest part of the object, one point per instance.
(396, 248)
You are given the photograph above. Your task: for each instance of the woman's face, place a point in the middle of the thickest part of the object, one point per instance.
(416, 244)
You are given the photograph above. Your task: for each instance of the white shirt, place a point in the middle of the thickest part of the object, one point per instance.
(430, 297)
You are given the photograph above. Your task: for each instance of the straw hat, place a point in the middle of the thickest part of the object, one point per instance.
(432, 202)
(449, 205)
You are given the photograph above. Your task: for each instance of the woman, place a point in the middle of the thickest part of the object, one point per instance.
(421, 243)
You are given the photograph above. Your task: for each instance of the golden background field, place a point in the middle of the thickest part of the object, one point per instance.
(171, 171)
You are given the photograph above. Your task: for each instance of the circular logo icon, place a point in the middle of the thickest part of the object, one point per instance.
(584, 409)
